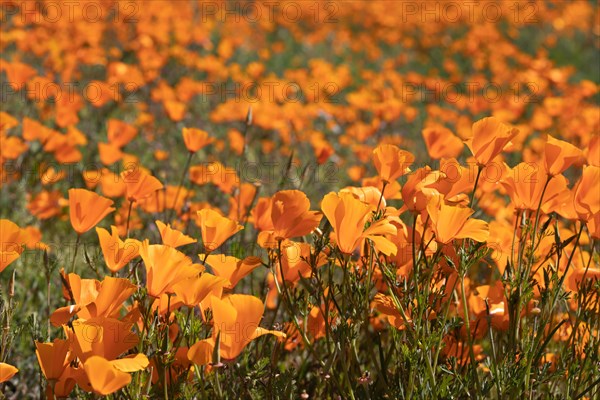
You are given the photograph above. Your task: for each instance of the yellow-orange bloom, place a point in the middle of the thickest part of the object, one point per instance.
(586, 198)
(140, 184)
(107, 377)
(7, 371)
(420, 187)
(216, 229)
(165, 266)
(291, 215)
(593, 151)
(560, 155)
(106, 337)
(348, 217)
(12, 239)
(87, 208)
(231, 268)
(294, 262)
(490, 136)
(120, 133)
(117, 253)
(173, 237)
(195, 139)
(192, 291)
(236, 319)
(391, 162)
(441, 142)
(525, 185)
(451, 223)
(53, 358)
(94, 299)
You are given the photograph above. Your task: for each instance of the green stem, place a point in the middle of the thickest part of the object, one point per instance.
(128, 217)
(181, 181)
(479, 169)
(75, 252)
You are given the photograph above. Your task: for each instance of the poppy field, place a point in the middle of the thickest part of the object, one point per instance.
(299, 199)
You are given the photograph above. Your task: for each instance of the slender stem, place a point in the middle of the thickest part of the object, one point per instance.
(468, 328)
(181, 181)
(537, 220)
(128, 217)
(414, 250)
(48, 287)
(75, 252)
(479, 169)
(381, 197)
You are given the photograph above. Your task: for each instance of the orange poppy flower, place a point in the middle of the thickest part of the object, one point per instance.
(231, 268)
(367, 194)
(109, 153)
(593, 225)
(236, 319)
(215, 228)
(291, 216)
(201, 353)
(420, 188)
(560, 155)
(451, 223)
(525, 184)
(87, 209)
(195, 139)
(442, 143)
(117, 253)
(316, 324)
(45, 204)
(84, 290)
(586, 199)
(489, 137)
(94, 299)
(236, 141)
(294, 262)
(456, 181)
(62, 387)
(33, 237)
(392, 189)
(120, 133)
(53, 358)
(192, 291)
(385, 306)
(165, 266)
(110, 184)
(593, 151)
(12, 147)
(175, 109)
(173, 237)
(348, 217)
(7, 371)
(578, 278)
(272, 294)
(494, 296)
(105, 378)
(113, 292)
(261, 214)
(12, 239)
(140, 184)
(106, 337)
(7, 122)
(391, 162)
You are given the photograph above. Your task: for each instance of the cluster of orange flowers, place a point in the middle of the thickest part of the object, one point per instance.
(98, 333)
